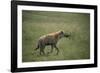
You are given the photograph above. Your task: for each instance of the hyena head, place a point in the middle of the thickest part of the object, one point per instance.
(63, 34)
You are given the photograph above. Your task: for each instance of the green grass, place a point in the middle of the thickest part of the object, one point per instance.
(38, 23)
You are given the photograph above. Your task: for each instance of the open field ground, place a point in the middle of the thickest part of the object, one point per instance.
(38, 23)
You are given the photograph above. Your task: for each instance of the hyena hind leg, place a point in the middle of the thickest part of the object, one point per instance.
(42, 51)
(34, 51)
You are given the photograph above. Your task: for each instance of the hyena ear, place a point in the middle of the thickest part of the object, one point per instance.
(61, 32)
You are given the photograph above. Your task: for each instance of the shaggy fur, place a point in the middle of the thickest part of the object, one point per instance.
(50, 39)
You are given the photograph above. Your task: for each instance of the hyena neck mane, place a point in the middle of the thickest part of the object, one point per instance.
(57, 35)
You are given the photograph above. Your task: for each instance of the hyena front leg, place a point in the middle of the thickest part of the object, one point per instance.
(56, 49)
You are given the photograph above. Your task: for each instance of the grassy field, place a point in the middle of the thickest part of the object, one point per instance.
(38, 23)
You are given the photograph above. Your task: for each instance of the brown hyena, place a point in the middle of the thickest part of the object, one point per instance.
(50, 39)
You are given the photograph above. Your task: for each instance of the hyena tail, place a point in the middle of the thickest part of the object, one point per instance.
(37, 47)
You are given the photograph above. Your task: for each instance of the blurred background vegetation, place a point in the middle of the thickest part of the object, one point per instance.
(38, 23)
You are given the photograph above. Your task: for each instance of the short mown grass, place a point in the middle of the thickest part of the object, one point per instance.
(38, 23)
